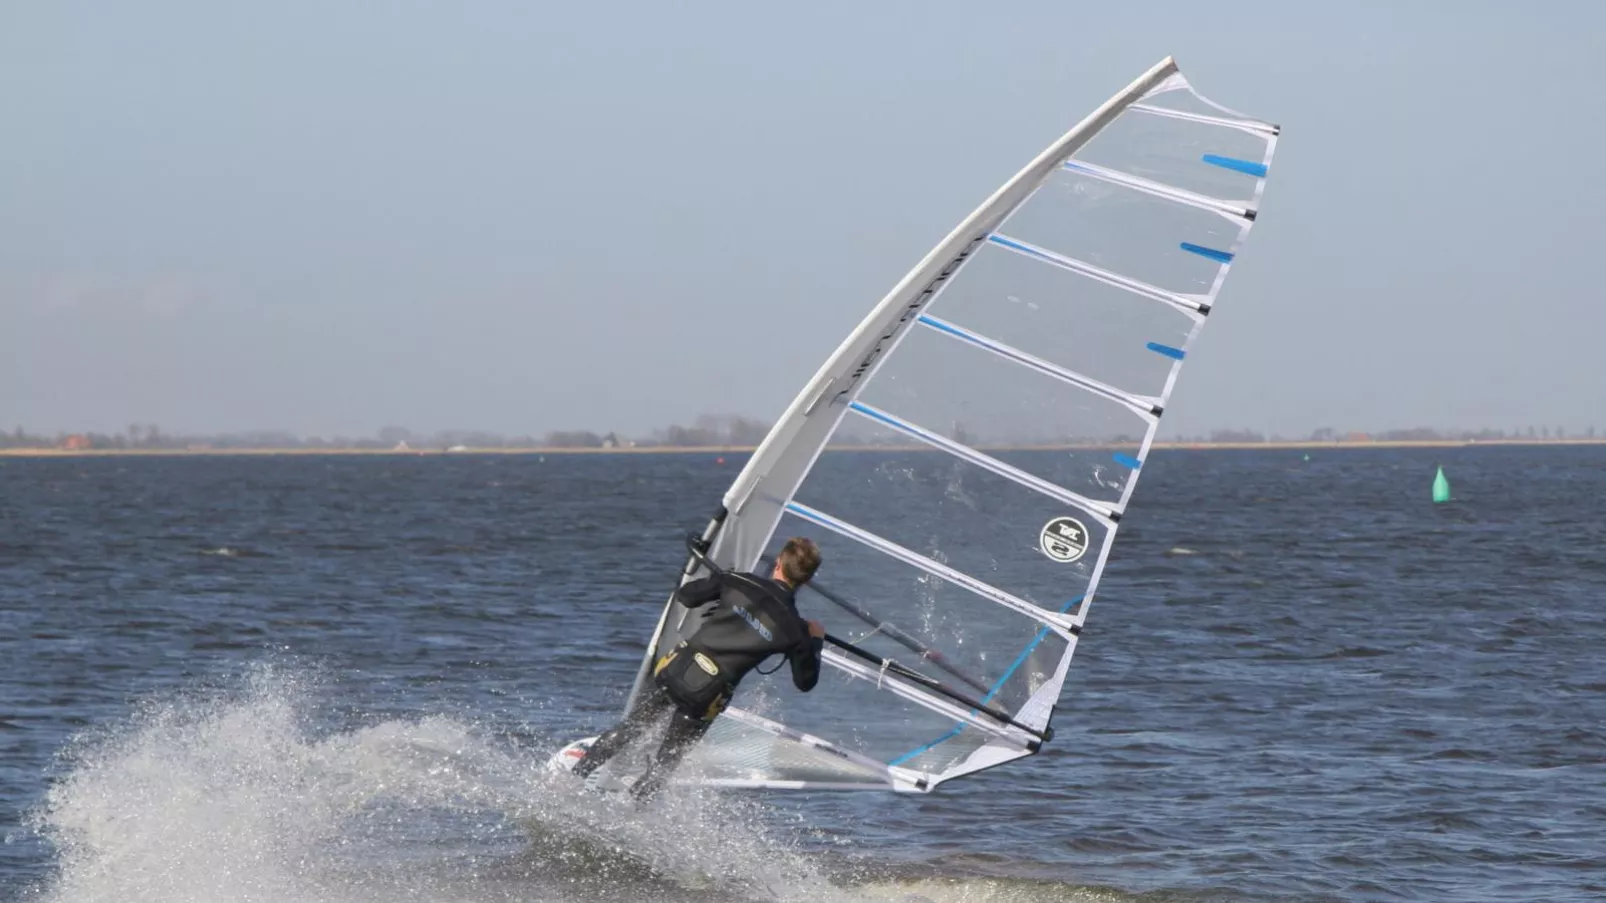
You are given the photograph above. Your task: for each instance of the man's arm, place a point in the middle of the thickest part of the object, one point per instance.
(806, 658)
(700, 592)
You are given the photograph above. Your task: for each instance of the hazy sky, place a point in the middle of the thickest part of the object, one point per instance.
(331, 217)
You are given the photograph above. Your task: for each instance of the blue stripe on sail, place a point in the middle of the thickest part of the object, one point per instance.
(1202, 251)
(1127, 460)
(915, 752)
(943, 327)
(808, 515)
(1013, 245)
(1167, 350)
(876, 415)
(1042, 633)
(1247, 167)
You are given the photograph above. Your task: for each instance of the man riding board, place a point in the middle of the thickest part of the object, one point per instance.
(752, 618)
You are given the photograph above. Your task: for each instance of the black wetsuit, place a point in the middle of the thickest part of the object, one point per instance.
(755, 617)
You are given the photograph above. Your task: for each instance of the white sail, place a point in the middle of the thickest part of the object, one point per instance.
(965, 456)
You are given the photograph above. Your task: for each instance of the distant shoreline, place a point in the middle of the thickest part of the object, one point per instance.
(748, 449)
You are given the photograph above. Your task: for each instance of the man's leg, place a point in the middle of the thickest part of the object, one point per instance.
(682, 734)
(649, 707)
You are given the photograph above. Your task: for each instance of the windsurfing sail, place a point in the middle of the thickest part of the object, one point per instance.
(965, 456)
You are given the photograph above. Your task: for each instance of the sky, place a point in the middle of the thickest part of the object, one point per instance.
(328, 218)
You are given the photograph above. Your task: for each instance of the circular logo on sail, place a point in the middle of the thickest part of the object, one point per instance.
(1063, 539)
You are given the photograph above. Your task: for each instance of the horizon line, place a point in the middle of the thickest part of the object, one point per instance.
(1286, 445)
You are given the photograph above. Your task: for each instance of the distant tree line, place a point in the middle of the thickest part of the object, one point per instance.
(721, 431)
(1412, 434)
(707, 431)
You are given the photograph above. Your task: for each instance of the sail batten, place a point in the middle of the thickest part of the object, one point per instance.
(1146, 407)
(1103, 512)
(1005, 394)
(1169, 192)
(1204, 119)
(1136, 287)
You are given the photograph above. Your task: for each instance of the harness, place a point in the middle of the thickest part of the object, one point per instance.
(694, 680)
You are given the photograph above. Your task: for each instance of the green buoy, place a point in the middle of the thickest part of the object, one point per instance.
(1441, 487)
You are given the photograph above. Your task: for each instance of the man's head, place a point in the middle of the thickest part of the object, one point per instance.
(798, 561)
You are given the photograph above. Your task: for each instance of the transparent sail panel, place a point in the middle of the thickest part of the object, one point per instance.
(919, 621)
(968, 518)
(882, 723)
(736, 751)
(939, 752)
(1153, 239)
(1070, 319)
(975, 638)
(733, 751)
(1216, 160)
(985, 400)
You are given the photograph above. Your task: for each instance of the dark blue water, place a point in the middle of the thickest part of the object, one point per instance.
(337, 678)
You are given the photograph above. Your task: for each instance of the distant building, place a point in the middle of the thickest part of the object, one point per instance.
(76, 442)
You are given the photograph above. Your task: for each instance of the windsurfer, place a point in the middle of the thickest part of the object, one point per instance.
(753, 618)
